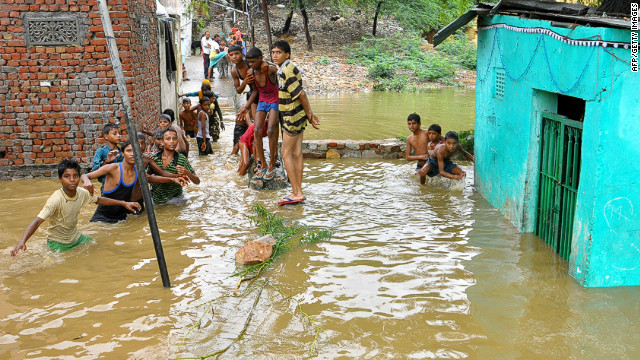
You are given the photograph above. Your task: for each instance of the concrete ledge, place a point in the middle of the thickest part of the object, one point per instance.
(368, 149)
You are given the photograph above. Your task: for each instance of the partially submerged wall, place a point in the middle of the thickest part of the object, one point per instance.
(336, 149)
(57, 86)
(520, 74)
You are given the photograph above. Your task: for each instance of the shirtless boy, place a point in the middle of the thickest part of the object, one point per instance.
(440, 162)
(242, 76)
(417, 143)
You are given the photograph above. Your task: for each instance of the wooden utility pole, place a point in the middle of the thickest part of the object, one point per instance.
(133, 133)
(266, 23)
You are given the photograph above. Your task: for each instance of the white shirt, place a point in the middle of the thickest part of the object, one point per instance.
(212, 45)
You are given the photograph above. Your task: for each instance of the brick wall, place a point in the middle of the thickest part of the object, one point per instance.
(57, 86)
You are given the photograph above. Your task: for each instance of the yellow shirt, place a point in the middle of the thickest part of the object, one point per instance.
(62, 212)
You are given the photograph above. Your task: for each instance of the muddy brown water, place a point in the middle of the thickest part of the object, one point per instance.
(411, 272)
(383, 115)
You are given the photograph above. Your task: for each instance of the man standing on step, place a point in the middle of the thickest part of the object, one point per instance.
(208, 45)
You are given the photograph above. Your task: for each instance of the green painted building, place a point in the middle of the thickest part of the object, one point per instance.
(557, 132)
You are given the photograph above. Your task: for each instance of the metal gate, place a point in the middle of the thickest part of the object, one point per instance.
(560, 154)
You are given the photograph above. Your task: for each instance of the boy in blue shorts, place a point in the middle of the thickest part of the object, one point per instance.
(266, 84)
(62, 209)
(440, 162)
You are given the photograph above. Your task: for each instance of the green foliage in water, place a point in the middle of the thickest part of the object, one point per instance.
(401, 62)
(465, 141)
(287, 237)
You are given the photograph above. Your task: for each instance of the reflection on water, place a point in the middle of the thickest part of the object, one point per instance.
(412, 272)
(383, 115)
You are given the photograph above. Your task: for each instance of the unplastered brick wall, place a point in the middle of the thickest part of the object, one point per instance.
(57, 85)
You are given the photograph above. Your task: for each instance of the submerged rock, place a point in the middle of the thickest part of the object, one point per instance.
(279, 181)
(254, 252)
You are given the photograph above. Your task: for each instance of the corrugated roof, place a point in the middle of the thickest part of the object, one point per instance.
(547, 10)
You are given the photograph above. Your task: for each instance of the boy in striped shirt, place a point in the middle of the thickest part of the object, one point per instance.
(295, 112)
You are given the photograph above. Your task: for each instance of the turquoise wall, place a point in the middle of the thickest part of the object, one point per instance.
(606, 237)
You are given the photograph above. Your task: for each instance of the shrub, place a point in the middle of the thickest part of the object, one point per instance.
(461, 50)
(381, 69)
(435, 68)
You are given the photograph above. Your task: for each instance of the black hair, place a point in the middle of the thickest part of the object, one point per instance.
(170, 113)
(452, 135)
(186, 100)
(235, 47)
(140, 136)
(218, 35)
(254, 53)
(124, 145)
(208, 94)
(415, 117)
(282, 45)
(167, 130)
(158, 134)
(107, 128)
(164, 116)
(206, 87)
(436, 128)
(67, 164)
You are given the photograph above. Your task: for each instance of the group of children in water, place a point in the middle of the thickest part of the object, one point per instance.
(275, 98)
(433, 152)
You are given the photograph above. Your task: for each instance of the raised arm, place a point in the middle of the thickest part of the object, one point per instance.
(30, 230)
(86, 178)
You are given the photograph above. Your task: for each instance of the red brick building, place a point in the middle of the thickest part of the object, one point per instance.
(57, 85)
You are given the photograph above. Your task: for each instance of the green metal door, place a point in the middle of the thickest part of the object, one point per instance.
(560, 154)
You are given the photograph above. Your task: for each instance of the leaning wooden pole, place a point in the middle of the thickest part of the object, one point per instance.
(131, 130)
(266, 23)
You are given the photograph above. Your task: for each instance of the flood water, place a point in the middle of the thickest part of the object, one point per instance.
(411, 272)
(383, 115)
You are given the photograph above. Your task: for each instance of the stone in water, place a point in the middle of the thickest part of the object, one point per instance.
(254, 252)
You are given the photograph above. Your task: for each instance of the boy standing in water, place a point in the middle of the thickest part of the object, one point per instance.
(110, 152)
(265, 83)
(440, 162)
(121, 183)
(417, 142)
(62, 209)
(188, 118)
(171, 162)
(295, 111)
(203, 138)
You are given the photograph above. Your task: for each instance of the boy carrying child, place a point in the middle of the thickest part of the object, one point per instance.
(440, 162)
(62, 209)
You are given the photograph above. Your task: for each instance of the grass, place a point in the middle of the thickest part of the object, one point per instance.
(400, 63)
